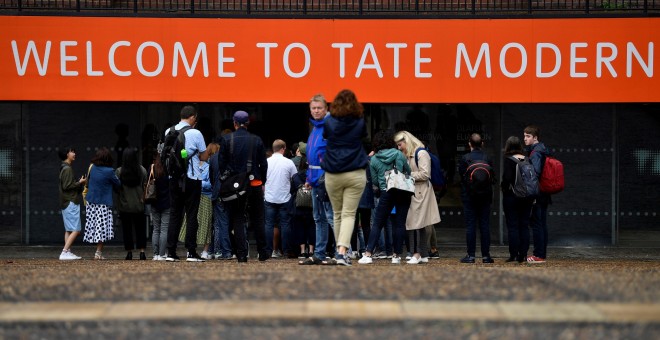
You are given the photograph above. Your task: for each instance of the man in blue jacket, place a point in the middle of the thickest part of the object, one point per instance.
(234, 160)
(537, 153)
(322, 209)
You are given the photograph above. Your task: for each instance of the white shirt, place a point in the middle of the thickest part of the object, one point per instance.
(278, 179)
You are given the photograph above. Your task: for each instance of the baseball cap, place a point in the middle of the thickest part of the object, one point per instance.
(241, 117)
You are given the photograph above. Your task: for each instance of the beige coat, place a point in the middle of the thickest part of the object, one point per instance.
(423, 207)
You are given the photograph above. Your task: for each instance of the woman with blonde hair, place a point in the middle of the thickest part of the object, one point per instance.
(423, 212)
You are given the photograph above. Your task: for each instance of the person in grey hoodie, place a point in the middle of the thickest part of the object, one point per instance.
(387, 156)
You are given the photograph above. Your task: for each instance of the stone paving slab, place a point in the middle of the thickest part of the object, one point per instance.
(337, 310)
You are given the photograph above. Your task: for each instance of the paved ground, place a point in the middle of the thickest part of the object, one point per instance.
(581, 293)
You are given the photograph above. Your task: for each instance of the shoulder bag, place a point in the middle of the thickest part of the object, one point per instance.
(397, 180)
(150, 195)
(86, 188)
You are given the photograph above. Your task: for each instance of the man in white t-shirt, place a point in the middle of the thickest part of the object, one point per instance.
(277, 196)
(187, 199)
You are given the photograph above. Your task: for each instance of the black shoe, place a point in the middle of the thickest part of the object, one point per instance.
(467, 259)
(263, 256)
(194, 257)
(434, 255)
(487, 259)
(510, 259)
(172, 257)
(242, 259)
(143, 256)
(129, 256)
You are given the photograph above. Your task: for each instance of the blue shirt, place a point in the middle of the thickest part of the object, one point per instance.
(194, 146)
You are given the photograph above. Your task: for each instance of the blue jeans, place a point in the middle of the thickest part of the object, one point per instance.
(323, 217)
(160, 220)
(277, 212)
(221, 241)
(387, 201)
(517, 212)
(539, 225)
(477, 212)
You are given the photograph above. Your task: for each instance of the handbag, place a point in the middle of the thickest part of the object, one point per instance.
(397, 180)
(303, 197)
(86, 187)
(150, 195)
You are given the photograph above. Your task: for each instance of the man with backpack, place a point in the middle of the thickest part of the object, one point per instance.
(183, 148)
(538, 154)
(477, 178)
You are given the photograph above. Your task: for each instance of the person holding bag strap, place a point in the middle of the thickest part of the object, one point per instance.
(243, 152)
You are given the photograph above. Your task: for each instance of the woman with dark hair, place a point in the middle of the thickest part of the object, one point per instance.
(386, 158)
(101, 180)
(160, 210)
(304, 228)
(344, 164)
(130, 202)
(517, 210)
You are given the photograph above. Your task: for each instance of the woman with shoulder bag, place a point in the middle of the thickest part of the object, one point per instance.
(387, 158)
(160, 209)
(130, 203)
(304, 228)
(98, 211)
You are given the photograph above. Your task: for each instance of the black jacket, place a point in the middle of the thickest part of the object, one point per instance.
(464, 163)
(232, 163)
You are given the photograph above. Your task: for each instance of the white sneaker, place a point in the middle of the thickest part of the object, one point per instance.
(276, 254)
(205, 255)
(414, 260)
(424, 260)
(156, 258)
(161, 258)
(396, 260)
(66, 256)
(76, 257)
(365, 260)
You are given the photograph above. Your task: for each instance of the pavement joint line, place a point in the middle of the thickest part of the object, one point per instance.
(395, 310)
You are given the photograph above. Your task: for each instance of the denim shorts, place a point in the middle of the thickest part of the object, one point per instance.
(71, 217)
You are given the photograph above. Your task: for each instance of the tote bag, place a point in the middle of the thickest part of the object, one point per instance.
(397, 180)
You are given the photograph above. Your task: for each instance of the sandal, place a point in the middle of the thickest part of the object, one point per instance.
(329, 261)
(310, 261)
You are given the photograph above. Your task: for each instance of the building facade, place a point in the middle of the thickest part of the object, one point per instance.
(593, 93)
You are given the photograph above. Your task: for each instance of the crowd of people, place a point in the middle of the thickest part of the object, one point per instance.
(330, 201)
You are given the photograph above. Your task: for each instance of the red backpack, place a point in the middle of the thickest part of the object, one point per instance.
(552, 176)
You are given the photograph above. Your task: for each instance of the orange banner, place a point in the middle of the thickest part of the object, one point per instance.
(281, 60)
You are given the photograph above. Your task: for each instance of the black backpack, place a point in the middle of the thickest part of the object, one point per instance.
(479, 180)
(526, 184)
(173, 161)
